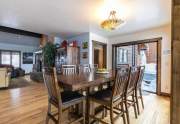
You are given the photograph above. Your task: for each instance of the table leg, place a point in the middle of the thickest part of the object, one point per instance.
(87, 105)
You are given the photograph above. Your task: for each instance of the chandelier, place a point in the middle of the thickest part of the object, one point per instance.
(112, 22)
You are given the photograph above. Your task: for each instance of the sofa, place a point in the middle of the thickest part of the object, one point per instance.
(15, 72)
(5, 77)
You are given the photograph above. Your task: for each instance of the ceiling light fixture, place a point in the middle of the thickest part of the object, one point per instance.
(112, 22)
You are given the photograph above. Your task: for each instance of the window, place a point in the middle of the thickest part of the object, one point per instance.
(6, 58)
(122, 56)
(10, 58)
(15, 59)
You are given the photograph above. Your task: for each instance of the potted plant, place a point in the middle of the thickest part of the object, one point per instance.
(49, 54)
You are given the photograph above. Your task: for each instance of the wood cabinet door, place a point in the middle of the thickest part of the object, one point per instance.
(69, 55)
(73, 57)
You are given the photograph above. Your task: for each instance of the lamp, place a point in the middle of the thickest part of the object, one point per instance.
(112, 22)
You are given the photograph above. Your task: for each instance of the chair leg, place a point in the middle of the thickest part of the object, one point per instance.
(124, 118)
(134, 105)
(89, 112)
(69, 113)
(84, 111)
(48, 111)
(111, 115)
(103, 113)
(47, 119)
(59, 115)
(127, 112)
(137, 102)
(140, 92)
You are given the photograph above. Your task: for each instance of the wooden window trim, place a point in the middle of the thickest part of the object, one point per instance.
(159, 44)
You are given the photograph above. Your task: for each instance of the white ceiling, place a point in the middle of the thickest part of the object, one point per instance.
(71, 17)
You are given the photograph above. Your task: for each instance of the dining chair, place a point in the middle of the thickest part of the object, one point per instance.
(94, 67)
(122, 67)
(61, 100)
(68, 69)
(111, 99)
(139, 88)
(85, 68)
(58, 67)
(130, 92)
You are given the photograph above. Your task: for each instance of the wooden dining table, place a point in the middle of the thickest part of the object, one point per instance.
(84, 81)
(80, 81)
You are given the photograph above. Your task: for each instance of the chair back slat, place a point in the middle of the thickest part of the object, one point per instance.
(84, 68)
(141, 75)
(122, 67)
(50, 80)
(94, 67)
(68, 69)
(120, 84)
(134, 75)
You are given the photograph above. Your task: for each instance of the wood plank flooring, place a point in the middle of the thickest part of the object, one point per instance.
(28, 106)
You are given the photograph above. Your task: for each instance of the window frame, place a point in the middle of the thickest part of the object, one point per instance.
(11, 51)
(122, 54)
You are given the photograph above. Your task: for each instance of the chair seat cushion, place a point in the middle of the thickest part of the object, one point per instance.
(103, 96)
(70, 98)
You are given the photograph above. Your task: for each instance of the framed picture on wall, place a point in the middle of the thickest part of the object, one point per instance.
(84, 55)
(27, 58)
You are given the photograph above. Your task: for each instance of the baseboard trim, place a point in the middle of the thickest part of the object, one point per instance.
(165, 94)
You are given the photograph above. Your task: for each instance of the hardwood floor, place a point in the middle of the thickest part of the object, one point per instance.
(28, 106)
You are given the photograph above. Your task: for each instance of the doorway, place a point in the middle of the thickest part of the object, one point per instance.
(141, 53)
(99, 52)
(147, 56)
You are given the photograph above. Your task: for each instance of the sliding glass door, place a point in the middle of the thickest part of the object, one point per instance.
(125, 55)
(144, 54)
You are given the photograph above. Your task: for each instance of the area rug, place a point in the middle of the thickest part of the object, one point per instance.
(20, 82)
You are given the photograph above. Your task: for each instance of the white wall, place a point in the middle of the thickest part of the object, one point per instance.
(165, 33)
(21, 43)
(80, 39)
(95, 37)
(88, 37)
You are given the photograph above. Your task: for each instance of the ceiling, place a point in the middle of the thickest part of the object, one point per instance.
(67, 18)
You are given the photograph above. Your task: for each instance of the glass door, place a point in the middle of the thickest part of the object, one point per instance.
(147, 56)
(124, 55)
(144, 54)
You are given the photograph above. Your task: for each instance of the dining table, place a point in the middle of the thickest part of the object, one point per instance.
(85, 81)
